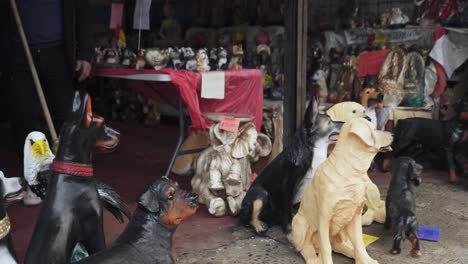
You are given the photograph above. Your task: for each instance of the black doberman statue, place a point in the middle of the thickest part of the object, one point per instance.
(72, 211)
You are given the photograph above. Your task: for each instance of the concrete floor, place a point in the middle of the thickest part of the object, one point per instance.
(143, 157)
(438, 204)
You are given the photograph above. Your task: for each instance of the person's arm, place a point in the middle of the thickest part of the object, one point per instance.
(84, 37)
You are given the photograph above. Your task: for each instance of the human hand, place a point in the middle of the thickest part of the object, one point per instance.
(84, 68)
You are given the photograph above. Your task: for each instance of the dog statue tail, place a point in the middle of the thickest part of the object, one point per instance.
(112, 201)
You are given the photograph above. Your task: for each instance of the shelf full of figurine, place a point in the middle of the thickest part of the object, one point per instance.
(203, 49)
(392, 62)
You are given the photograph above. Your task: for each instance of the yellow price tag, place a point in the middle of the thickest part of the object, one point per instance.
(368, 239)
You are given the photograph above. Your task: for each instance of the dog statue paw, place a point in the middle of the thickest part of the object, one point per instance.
(217, 207)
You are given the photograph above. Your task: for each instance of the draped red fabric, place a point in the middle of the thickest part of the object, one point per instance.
(369, 63)
(243, 92)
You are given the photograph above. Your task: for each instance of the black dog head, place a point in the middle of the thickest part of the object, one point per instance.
(83, 131)
(409, 169)
(320, 126)
(170, 204)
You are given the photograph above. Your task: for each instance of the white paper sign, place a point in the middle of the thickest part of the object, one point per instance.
(141, 16)
(212, 85)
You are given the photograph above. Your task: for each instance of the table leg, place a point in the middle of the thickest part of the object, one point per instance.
(181, 137)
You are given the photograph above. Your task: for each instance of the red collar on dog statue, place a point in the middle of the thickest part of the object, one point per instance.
(71, 168)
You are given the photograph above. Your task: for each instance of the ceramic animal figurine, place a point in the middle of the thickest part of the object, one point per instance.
(112, 56)
(329, 216)
(189, 58)
(147, 239)
(203, 61)
(157, 58)
(72, 211)
(175, 61)
(236, 58)
(128, 57)
(141, 62)
(222, 174)
(98, 55)
(222, 58)
(213, 58)
(263, 56)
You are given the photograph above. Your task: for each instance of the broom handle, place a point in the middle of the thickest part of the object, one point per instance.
(35, 76)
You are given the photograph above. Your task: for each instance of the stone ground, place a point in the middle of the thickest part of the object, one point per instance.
(438, 204)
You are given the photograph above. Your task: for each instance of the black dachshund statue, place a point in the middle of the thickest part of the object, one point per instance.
(148, 237)
(400, 204)
(72, 210)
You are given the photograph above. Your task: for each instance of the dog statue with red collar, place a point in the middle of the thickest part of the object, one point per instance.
(72, 211)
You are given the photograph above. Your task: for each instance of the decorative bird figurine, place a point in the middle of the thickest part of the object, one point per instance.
(37, 160)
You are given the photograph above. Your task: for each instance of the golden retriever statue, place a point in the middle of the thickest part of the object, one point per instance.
(329, 217)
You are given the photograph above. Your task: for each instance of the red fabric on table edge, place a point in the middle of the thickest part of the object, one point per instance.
(243, 94)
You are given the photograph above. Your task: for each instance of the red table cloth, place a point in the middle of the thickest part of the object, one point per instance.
(243, 92)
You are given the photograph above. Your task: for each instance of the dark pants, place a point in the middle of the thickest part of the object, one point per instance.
(25, 112)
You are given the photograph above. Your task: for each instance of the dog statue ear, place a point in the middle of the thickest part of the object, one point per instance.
(79, 106)
(149, 201)
(311, 112)
(362, 131)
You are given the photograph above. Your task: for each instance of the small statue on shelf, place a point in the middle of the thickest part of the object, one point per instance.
(189, 58)
(236, 59)
(263, 56)
(128, 57)
(174, 57)
(98, 55)
(202, 61)
(158, 58)
(222, 58)
(112, 56)
(141, 62)
(213, 58)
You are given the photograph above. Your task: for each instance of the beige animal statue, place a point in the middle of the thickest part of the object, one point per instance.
(203, 61)
(223, 170)
(375, 207)
(330, 215)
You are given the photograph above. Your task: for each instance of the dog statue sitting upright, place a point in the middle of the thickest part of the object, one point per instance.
(401, 203)
(72, 210)
(148, 237)
(329, 217)
(267, 202)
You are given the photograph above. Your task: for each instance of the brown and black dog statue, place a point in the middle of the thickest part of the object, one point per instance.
(148, 237)
(72, 210)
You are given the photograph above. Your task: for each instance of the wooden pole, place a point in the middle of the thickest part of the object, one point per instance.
(35, 76)
(295, 66)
